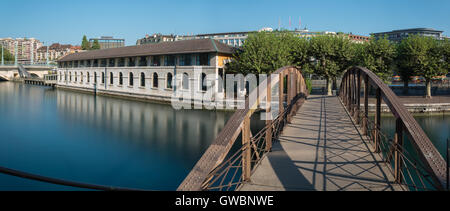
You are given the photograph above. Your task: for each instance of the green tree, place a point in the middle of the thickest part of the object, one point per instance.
(446, 53)
(422, 56)
(332, 56)
(85, 43)
(95, 45)
(7, 56)
(265, 52)
(403, 65)
(378, 55)
(299, 50)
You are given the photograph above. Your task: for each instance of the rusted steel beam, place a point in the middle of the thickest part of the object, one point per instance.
(349, 90)
(358, 101)
(281, 93)
(377, 121)
(398, 143)
(291, 94)
(269, 132)
(246, 154)
(366, 105)
(434, 163)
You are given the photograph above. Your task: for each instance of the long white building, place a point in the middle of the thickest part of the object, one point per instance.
(152, 71)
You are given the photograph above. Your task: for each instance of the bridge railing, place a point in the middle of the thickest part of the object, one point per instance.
(8, 63)
(33, 64)
(225, 166)
(413, 159)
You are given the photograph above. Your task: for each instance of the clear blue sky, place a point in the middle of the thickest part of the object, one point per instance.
(67, 21)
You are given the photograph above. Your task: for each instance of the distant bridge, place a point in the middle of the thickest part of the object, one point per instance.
(321, 143)
(35, 73)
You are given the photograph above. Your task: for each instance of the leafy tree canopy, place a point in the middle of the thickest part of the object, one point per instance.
(265, 52)
(95, 45)
(85, 43)
(378, 55)
(7, 56)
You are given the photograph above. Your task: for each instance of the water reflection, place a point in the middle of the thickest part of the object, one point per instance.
(437, 128)
(99, 140)
(143, 124)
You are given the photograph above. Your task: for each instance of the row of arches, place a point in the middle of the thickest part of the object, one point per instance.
(185, 83)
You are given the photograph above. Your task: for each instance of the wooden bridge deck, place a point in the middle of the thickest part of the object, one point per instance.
(321, 150)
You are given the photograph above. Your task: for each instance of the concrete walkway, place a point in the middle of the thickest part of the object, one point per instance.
(321, 150)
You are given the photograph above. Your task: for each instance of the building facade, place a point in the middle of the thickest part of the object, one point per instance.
(153, 71)
(24, 48)
(55, 52)
(358, 38)
(237, 39)
(399, 35)
(108, 42)
(155, 38)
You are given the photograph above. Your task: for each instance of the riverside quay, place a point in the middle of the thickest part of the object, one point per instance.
(151, 72)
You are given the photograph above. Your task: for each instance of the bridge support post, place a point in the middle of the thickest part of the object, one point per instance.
(377, 121)
(246, 153)
(291, 94)
(288, 93)
(349, 90)
(358, 98)
(398, 142)
(269, 131)
(281, 93)
(299, 86)
(352, 93)
(366, 105)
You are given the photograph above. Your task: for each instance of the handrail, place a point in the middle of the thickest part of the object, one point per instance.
(213, 164)
(430, 163)
(55, 181)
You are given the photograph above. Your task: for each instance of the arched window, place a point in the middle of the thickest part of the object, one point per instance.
(120, 79)
(169, 80)
(142, 79)
(103, 77)
(155, 80)
(131, 80)
(111, 78)
(185, 82)
(65, 76)
(88, 77)
(70, 76)
(81, 77)
(76, 76)
(95, 77)
(203, 82)
(60, 76)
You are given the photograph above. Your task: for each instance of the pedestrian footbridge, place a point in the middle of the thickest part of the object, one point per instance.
(321, 149)
(321, 143)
